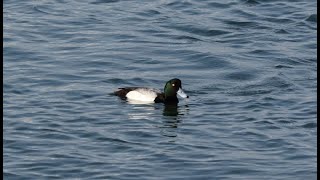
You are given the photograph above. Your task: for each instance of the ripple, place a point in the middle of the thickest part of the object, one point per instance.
(242, 76)
(277, 82)
(220, 5)
(282, 31)
(312, 18)
(104, 1)
(280, 66)
(311, 125)
(241, 23)
(179, 5)
(252, 2)
(149, 13)
(201, 31)
(189, 38)
(39, 9)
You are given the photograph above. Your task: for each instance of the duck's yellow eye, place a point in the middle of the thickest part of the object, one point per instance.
(173, 84)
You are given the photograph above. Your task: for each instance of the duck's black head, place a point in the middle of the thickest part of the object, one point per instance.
(172, 88)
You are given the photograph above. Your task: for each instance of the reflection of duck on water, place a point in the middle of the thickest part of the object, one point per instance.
(170, 110)
(173, 110)
(172, 118)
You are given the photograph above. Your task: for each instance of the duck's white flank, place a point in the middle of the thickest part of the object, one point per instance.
(143, 94)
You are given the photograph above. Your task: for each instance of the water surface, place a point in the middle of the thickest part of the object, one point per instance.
(249, 68)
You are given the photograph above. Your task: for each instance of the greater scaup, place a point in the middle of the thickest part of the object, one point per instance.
(169, 96)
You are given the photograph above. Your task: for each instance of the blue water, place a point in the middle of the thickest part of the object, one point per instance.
(249, 67)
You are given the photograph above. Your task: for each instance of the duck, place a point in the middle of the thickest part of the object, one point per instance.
(152, 95)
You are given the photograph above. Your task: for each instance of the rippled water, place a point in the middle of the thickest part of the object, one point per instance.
(249, 68)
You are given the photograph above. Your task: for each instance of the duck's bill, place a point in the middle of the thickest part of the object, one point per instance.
(182, 94)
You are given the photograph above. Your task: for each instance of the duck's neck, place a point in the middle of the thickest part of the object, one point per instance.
(171, 99)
